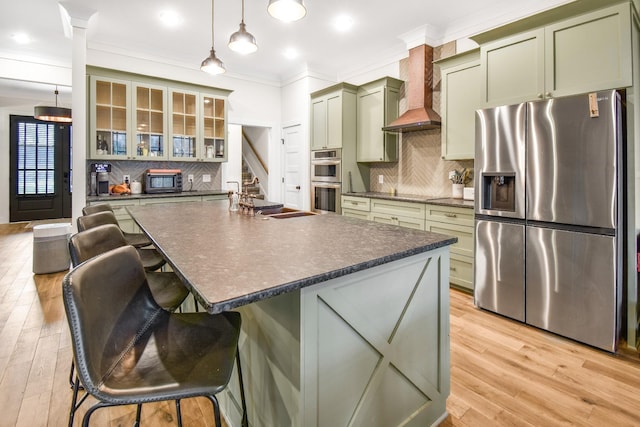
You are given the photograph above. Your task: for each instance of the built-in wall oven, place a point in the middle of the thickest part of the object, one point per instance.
(326, 180)
(325, 196)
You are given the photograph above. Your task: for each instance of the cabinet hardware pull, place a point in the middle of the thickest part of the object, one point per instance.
(450, 215)
(452, 268)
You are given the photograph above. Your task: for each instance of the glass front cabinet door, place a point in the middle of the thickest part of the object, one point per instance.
(184, 111)
(149, 121)
(214, 129)
(109, 118)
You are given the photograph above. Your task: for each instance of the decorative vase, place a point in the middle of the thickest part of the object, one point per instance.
(457, 191)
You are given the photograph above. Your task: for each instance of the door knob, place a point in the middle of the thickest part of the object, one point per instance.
(297, 187)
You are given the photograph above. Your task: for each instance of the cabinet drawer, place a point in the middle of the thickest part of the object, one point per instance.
(354, 213)
(464, 246)
(404, 209)
(402, 221)
(357, 203)
(461, 271)
(449, 214)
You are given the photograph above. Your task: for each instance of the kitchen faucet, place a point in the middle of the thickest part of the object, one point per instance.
(233, 197)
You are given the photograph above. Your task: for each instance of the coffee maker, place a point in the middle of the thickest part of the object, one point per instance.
(99, 179)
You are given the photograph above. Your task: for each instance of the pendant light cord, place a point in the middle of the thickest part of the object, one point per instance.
(212, 16)
(242, 20)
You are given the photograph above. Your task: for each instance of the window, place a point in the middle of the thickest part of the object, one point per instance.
(36, 159)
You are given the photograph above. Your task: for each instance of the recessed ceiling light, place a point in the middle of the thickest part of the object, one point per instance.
(170, 18)
(20, 38)
(343, 23)
(290, 53)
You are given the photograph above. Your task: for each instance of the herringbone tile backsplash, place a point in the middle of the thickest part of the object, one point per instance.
(136, 169)
(420, 169)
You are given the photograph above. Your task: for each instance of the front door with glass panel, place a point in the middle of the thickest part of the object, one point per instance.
(40, 177)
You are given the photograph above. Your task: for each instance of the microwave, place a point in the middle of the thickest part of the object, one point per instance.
(162, 181)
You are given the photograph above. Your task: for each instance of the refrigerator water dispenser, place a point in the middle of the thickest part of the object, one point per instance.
(499, 192)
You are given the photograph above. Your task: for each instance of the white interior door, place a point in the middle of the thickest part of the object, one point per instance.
(292, 166)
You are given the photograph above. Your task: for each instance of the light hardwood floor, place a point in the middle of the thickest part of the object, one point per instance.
(502, 372)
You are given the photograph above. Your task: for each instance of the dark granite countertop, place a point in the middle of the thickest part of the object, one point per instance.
(445, 201)
(229, 259)
(155, 196)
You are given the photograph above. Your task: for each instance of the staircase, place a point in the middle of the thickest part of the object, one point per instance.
(247, 176)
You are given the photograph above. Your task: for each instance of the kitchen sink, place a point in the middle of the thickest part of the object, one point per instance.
(291, 213)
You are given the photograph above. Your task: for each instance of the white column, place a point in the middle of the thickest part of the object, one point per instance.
(78, 20)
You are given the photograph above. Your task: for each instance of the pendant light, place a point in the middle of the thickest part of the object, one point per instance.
(53, 114)
(241, 41)
(212, 64)
(287, 10)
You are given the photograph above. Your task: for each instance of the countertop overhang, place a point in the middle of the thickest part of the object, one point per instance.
(229, 259)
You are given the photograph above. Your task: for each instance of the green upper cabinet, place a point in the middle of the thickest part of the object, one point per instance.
(512, 69)
(377, 106)
(150, 121)
(333, 116)
(586, 53)
(460, 98)
(213, 128)
(183, 125)
(590, 52)
(133, 117)
(109, 118)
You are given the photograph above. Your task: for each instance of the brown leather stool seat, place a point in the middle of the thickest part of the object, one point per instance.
(129, 350)
(166, 287)
(139, 240)
(151, 258)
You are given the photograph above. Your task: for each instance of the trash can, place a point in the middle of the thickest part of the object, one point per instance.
(50, 248)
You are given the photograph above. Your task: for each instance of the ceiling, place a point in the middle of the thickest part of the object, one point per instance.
(380, 33)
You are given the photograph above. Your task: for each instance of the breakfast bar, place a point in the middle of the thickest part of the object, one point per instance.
(345, 322)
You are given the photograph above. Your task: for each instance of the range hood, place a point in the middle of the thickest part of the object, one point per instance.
(419, 114)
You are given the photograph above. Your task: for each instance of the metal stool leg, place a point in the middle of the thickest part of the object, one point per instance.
(245, 420)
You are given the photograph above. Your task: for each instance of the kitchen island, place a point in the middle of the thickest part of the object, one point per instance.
(345, 322)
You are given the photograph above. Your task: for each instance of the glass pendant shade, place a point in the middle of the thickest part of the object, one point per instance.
(212, 64)
(242, 41)
(287, 10)
(53, 114)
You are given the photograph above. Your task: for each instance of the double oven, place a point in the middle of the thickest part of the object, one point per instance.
(326, 180)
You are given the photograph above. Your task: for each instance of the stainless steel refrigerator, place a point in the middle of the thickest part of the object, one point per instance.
(548, 223)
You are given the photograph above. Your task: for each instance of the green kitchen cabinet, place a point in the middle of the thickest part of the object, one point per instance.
(461, 96)
(149, 121)
(356, 207)
(109, 118)
(134, 117)
(586, 53)
(404, 214)
(377, 106)
(458, 222)
(333, 117)
(183, 126)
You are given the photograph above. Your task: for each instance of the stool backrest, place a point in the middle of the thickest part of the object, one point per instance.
(93, 220)
(86, 244)
(109, 308)
(91, 209)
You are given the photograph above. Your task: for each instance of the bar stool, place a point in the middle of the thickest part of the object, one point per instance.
(151, 258)
(129, 350)
(166, 287)
(139, 240)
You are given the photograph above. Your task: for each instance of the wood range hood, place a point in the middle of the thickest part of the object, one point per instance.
(419, 114)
